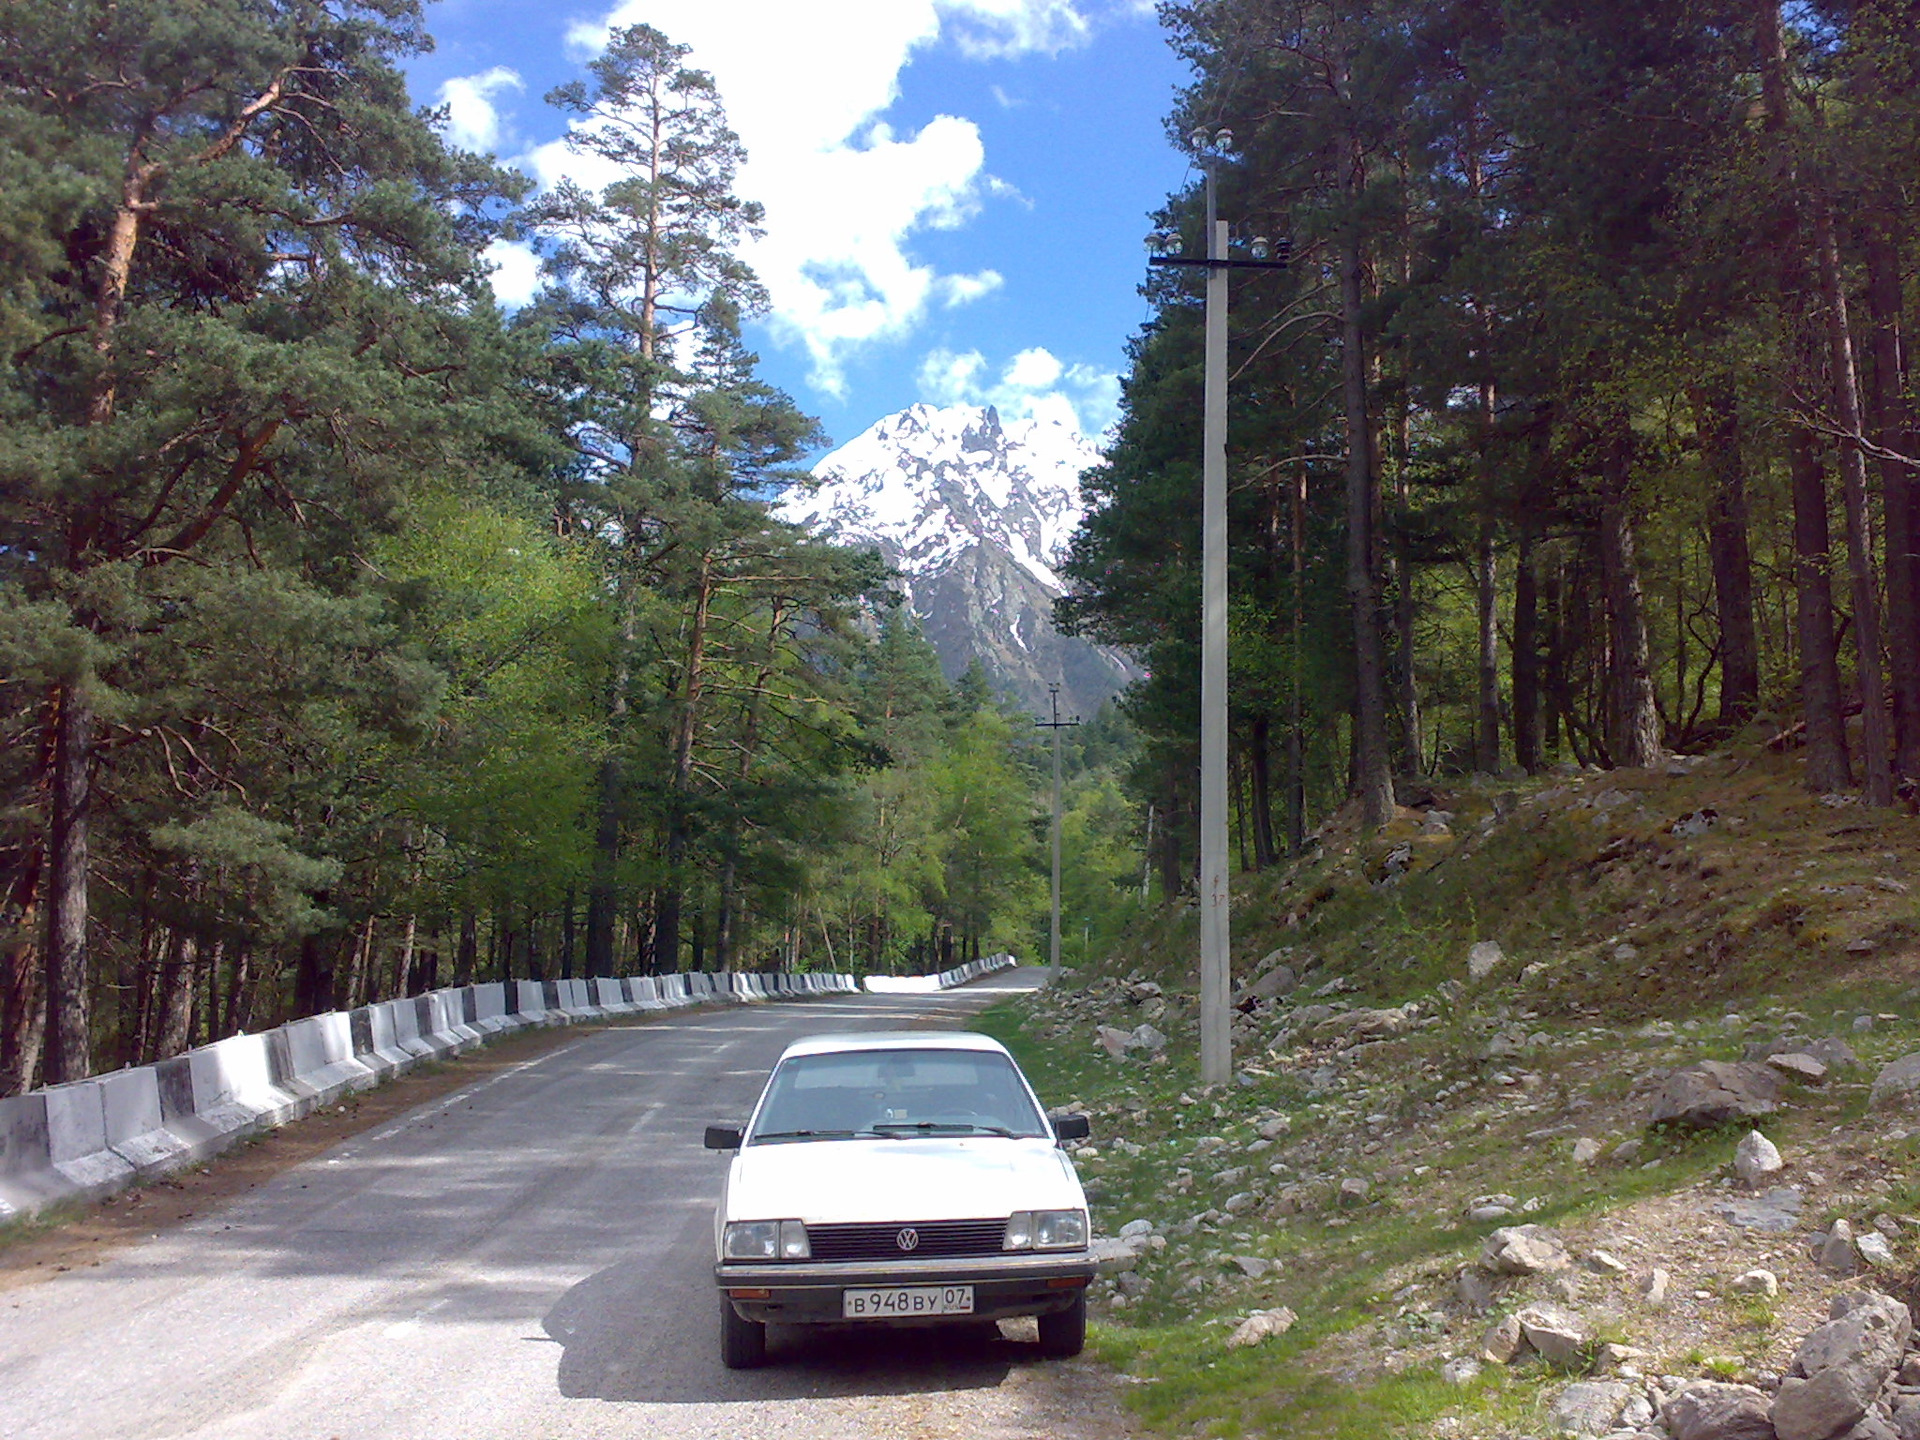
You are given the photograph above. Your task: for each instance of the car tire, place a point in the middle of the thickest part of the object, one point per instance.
(1063, 1334)
(743, 1343)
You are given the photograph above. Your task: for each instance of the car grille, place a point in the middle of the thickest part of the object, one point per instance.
(930, 1239)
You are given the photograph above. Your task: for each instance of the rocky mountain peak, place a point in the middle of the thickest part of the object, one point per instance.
(975, 513)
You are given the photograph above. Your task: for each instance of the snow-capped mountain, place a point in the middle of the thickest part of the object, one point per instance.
(974, 514)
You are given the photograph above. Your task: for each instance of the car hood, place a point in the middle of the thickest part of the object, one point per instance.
(854, 1181)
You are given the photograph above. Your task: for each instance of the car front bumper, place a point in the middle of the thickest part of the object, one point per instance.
(801, 1293)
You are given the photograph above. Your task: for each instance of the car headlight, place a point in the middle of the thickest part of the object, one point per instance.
(1046, 1230)
(766, 1240)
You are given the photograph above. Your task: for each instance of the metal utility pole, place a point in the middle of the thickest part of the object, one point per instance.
(1056, 724)
(1216, 1033)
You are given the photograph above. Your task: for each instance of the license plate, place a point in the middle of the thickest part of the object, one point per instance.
(900, 1302)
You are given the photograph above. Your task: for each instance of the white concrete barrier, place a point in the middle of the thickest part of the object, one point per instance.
(77, 1140)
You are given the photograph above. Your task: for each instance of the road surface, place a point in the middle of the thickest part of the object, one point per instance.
(528, 1258)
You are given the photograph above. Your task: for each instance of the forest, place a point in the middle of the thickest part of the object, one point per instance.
(1579, 428)
(358, 637)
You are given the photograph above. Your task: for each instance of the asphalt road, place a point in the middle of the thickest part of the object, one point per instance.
(528, 1258)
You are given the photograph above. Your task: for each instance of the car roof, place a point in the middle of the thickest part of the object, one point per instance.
(850, 1042)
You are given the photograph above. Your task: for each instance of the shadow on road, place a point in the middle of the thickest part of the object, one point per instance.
(625, 1337)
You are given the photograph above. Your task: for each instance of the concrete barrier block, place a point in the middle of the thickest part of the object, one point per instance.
(234, 1087)
(405, 1016)
(77, 1140)
(130, 1105)
(443, 1021)
(321, 1050)
(376, 1039)
(27, 1176)
(490, 1008)
(611, 996)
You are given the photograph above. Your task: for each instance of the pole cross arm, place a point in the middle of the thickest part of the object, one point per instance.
(1217, 264)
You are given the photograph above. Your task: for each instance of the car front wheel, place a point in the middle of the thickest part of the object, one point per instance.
(1063, 1334)
(743, 1343)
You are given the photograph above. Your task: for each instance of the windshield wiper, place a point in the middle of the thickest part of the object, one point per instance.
(804, 1135)
(899, 1129)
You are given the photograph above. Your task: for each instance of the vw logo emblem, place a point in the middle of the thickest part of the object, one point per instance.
(908, 1239)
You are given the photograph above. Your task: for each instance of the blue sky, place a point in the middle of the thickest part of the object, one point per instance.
(957, 190)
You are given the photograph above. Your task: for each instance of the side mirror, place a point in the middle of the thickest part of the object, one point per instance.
(1071, 1127)
(723, 1137)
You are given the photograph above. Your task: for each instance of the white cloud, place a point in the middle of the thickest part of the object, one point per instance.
(1033, 385)
(516, 272)
(805, 87)
(473, 120)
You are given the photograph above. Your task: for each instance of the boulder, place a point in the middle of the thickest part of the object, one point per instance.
(1798, 1065)
(1755, 1282)
(1354, 1191)
(1145, 1037)
(1460, 1371)
(1840, 1367)
(1897, 1084)
(1834, 1252)
(1558, 1336)
(1254, 1267)
(1755, 1158)
(1775, 1213)
(1260, 1325)
(1503, 1341)
(1589, 1407)
(1874, 1249)
(1483, 959)
(1280, 980)
(1113, 1041)
(1524, 1250)
(1717, 1092)
(1713, 1410)
(1586, 1150)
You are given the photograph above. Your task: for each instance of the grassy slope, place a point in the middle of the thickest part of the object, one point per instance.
(1608, 920)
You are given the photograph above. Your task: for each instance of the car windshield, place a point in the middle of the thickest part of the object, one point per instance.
(895, 1094)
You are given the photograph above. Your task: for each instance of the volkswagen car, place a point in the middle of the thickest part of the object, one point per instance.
(899, 1178)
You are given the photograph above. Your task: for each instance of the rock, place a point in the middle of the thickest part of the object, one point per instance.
(1460, 1371)
(1145, 1037)
(1115, 1257)
(1874, 1249)
(1589, 1407)
(1353, 1191)
(1714, 1092)
(1281, 980)
(1234, 1204)
(1260, 1325)
(1755, 1282)
(1274, 1126)
(1486, 1214)
(1473, 1290)
(1524, 1250)
(1503, 1342)
(1604, 1262)
(1775, 1213)
(1113, 1041)
(1798, 1065)
(1906, 1417)
(1254, 1267)
(1136, 1227)
(1756, 1158)
(1653, 1285)
(1896, 1084)
(1833, 1052)
(1586, 1150)
(1557, 1335)
(1483, 959)
(1840, 1366)
(1693, 826)
(1713, 1410)
(1834, 1252)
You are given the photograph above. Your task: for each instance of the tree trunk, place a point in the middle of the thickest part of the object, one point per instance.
(1827, 766)
(667, 916)
(1260, 783)
(1372, 771)
(1717, 417)
(179, 985)
(1633, 731)
(1876, 737)
(1900, 494)
(69, 1043)
(23, 1007)
(1486, 575)
(1526, 656)
(467, 955)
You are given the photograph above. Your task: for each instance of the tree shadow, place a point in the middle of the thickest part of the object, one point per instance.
(632, 1333)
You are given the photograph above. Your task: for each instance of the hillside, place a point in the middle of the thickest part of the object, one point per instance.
(1403, 1099)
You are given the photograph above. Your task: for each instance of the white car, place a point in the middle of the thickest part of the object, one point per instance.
(899, 1178)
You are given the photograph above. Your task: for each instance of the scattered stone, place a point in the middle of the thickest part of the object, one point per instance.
(1798, 1065)
(1474, 1291)
(1756, 1158)
(1834, 1252)
(1874, 1249)
(1503, 1342)
(1136, 1227)
(1524, 1250)
(1145, 1037)
(1281, 980)
(1234, 1204)
(1586, 1150)
(1274, 1126)
(1557, 1336)
(1113, 1041)
(1716, 1092)
(1777, 1212)
(1653, 1285)
(1589, 1407)
(1254, 1267)
(1460, 1371)
(1696, 824)
(1483, 959)
(1714, 1410)
(1353, 1191)
(1755, 1282)
(1260, 1325)
(1603, 1262)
